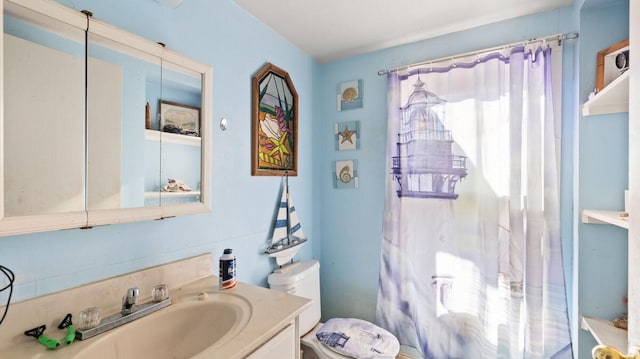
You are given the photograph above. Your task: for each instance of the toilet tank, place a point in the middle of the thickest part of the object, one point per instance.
(301, 279)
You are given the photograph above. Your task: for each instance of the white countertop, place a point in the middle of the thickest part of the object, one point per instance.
(271, 311)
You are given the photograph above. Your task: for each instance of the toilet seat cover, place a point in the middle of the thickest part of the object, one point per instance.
(357, 338)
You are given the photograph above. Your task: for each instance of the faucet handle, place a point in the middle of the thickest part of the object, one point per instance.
(130, 300)
(159, 293)
(132, 295)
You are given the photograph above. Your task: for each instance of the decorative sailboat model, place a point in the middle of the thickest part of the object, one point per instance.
(287, 236)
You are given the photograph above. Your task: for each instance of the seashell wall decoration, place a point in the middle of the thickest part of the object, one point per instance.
(345, 174)
(349, 95)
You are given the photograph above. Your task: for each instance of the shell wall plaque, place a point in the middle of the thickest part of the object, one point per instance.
(349, 95)
(347, 135)
(345, 174)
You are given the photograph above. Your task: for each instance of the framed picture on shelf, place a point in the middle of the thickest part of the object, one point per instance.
(179, 118)
(611, 63)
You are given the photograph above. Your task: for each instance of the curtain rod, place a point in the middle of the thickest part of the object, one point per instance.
(558, 37)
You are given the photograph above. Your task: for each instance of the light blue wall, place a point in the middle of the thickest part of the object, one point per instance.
(236, 45)
(353, 218)
(603, 176)
(344, 225)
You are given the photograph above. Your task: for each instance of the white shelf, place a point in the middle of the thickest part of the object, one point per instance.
(611, 99)
(177, 194)
(157, 136)
(605, 333)
(604, 217)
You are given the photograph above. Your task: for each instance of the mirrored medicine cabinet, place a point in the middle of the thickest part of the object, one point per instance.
(84, 109)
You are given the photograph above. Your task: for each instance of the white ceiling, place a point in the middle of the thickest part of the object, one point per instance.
(330, 30)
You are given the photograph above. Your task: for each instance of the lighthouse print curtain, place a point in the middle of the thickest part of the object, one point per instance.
(471, 263)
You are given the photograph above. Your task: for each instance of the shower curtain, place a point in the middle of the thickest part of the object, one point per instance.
(471, 263)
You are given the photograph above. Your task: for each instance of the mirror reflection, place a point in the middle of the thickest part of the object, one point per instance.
(180, 121)
(100, 126)
(121, 167)
(43, 114)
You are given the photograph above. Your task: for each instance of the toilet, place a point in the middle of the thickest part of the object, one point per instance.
(303, 279)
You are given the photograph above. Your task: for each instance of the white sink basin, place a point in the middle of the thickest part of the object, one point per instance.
(182, 330)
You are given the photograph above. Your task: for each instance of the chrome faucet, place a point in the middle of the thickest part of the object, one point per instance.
(130, 300)
(131, 311)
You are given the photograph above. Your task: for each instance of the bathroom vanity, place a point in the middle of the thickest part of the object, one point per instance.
(202, 321)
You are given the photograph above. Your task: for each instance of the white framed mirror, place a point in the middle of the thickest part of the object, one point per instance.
(74, 158)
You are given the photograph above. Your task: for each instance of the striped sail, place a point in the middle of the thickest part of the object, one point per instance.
(280, 229)
(287, 231)
(296, 227)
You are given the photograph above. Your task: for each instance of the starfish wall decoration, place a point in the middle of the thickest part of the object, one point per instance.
(347, 135)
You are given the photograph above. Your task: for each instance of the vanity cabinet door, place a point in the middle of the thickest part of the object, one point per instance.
(282, 346)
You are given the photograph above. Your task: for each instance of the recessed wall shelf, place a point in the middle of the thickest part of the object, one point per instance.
(177, 194)
(152, 135)
(613, 98)
(604, 217)
(605, 333)
(593, 298)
